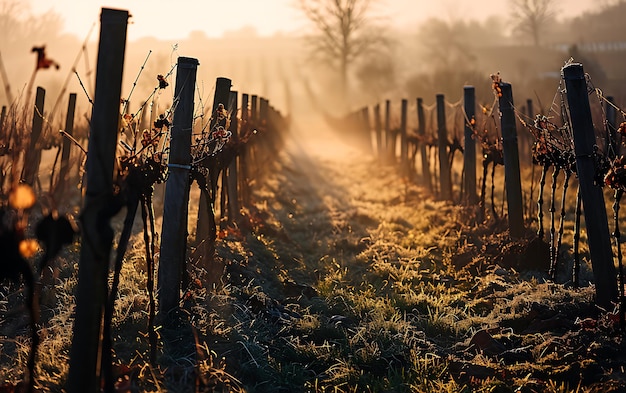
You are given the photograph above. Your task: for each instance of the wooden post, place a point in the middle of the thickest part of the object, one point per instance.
(367, 130)
(253, 151)
(421, 130)
(378, 129)
(233, 192)
(243, 153)
(67, 145)
(404, 147)
(445, 182)
(221, 96)
(593, 200)
(469, 154)
(3, 116)
(510, 152)
(254, 113)
(266, 136)
(613, 144)
(263, 111)
(97, 234)
(32, 157)
(175, 209)
(390, 145)
(529, 108)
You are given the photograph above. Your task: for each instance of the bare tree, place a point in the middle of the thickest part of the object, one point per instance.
(344, 34)
(531, 16)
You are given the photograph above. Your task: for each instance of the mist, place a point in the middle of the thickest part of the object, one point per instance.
(438, 55)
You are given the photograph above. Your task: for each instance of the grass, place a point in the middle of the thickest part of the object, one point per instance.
(345, 285)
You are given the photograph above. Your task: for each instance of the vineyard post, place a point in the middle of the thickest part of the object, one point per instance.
(378, 128)
(233, 193)
(591, 193)
(176, 203)
(3, 116)
(512, 181)
(404, 148)
(611, 128)
(254, 119)
(421, 130)
(445, 182)
(243, 153)
(97, 234)
(268, 136)
(367, 129)
(67, 145)
(390, 147)
(32, 157)
(254, 113)
(221, 96)
(469, 155)
(264, 111)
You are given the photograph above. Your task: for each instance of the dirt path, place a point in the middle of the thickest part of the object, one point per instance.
(353, 279)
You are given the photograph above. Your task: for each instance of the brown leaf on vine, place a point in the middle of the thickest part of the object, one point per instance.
(43, 61)
(162, 82)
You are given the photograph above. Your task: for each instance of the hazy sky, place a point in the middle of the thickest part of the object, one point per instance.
(175, 19)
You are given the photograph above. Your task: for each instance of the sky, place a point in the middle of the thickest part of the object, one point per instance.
(170, 20)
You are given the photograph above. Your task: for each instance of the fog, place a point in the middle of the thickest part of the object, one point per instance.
(439, 55)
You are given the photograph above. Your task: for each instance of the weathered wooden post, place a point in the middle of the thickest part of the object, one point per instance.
(67, 145)
(390, 145)
(233, 182)
(253, 152)
(613, 144)
(243, 153)
(593, 200)
(367, 130)
(529, 109)
(221, 96)
(32, 156)
(378, 129)
(267, 137)
(469, 154)
(97, 234)
(175, 209)
(421, 130)
(445, 181)
(3, 116)
(404, 147)
(254, 109)
(263, 111)
(512, 179)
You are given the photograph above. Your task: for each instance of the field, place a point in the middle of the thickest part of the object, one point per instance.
(343, 277)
